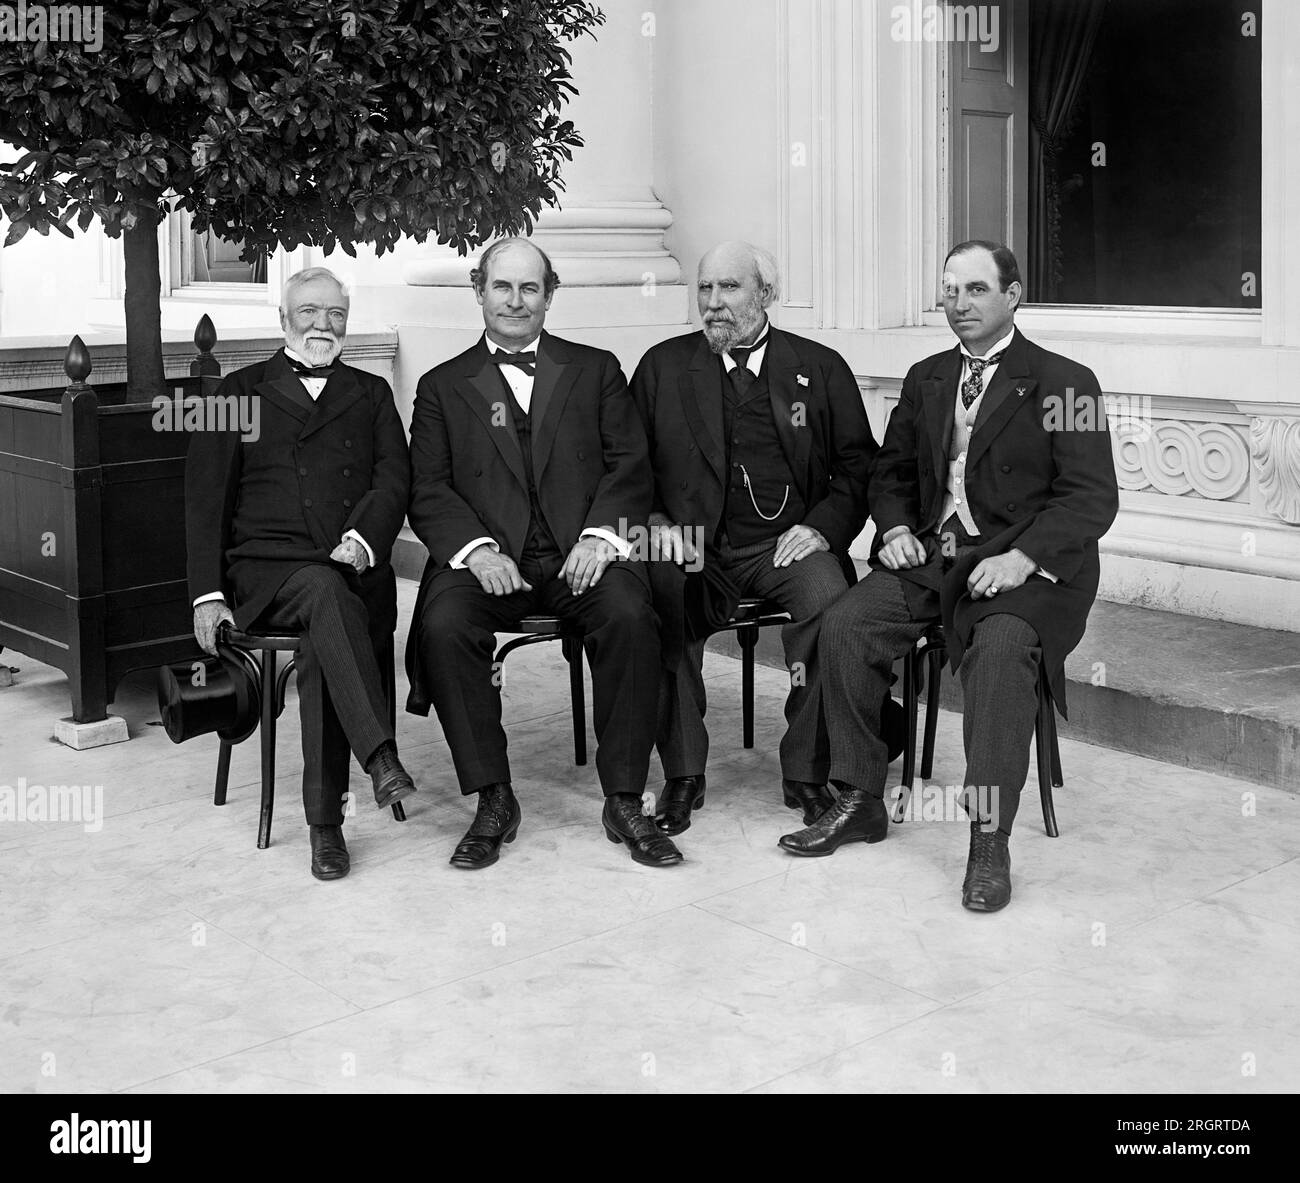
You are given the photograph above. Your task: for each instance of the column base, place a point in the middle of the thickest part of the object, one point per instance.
(101, 732)
(574, 308)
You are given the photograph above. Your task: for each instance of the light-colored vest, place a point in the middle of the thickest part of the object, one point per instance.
(956, 500)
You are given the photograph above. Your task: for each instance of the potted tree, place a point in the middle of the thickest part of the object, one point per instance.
(272, 122)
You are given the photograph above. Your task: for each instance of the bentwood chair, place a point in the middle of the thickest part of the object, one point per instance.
(931, 652)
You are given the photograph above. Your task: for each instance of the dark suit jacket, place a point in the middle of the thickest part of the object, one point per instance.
(1050, 492)
(823, 427)
(819, 416)
(467, 472)
(336, 465)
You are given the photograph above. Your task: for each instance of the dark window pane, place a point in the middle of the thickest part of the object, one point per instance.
(1169, 90)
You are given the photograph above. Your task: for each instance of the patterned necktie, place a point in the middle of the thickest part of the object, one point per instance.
(309, 371)
(526, 360)
(973, 387)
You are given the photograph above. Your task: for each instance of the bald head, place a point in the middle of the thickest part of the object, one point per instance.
(737, 282)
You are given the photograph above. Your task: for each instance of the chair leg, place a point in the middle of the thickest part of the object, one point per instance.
(1044, 729)
(572, 647)
(910, 671)
(748, 638)
(269, 715)
(1058, 778)
(388, 672)
(223, 773)
(935, 658)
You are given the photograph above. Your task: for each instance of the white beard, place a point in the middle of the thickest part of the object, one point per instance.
(314, 352)
(724, 335)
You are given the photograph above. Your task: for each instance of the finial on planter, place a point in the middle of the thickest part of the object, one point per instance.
(205, 334)
(76, 362)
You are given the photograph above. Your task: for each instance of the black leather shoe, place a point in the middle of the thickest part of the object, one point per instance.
(814, 800)
(988, 871)
(681, 795)
(893, 727)
(624, 822)
(496, 822)
(392, 784)
(329, 853)
(856, 817)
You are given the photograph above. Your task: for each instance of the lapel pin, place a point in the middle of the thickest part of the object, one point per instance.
(1020, 390)
(801, 380)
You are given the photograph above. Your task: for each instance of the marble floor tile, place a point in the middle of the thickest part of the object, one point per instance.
(1195, 1001)
(685, 1004)
(1272, 895)
(419, 922)
(141, 998)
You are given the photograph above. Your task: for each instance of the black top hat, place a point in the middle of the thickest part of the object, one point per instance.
(220, 694)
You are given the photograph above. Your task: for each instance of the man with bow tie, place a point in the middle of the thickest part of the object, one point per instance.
(992, 487)
(761, 453)
(528, 476)
(293, 530)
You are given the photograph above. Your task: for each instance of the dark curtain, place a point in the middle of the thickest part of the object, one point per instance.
(1061, 38)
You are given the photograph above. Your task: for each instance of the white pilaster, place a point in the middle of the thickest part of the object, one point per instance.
(606, 241)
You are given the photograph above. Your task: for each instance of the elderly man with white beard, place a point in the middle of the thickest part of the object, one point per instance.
(292, 530)
(761, 453)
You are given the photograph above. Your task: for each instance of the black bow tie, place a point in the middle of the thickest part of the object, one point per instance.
(525, 360)
(309, 371)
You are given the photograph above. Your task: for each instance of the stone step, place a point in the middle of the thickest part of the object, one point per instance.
(1204, 694)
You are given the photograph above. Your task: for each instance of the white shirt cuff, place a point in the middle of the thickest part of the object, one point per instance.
(458, 559)
(370, 554)
(619, 544)
(1046, 575)
(209, 598)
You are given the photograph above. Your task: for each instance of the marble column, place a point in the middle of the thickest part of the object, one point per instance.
(606, 241)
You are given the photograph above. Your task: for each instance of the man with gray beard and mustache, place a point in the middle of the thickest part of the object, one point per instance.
(761, 453)
(292, 531)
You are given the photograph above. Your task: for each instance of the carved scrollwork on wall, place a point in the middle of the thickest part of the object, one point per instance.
(1179, 458)
(1275, 447)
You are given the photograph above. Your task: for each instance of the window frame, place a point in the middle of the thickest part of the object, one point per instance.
(1160, 320)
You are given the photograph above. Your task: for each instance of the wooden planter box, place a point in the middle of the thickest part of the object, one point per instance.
(92, 536)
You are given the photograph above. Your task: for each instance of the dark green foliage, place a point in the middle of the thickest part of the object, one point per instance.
(306, 121)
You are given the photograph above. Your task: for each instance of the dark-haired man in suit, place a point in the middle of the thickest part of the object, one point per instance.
(529, 477)
(292, 530)
(761, 452)
(992, 487)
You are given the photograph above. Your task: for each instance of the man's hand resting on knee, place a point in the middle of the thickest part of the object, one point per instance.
(798, 542)
(1000, 573)
(350, 551)
(586, 563)
(497, 574)
(669, 541)
(904, 549)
